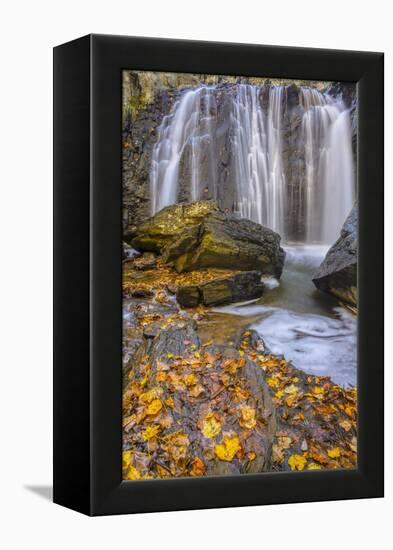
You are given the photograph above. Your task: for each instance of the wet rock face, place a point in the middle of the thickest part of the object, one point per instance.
(246, 285)
(337, 274)
(200, 235)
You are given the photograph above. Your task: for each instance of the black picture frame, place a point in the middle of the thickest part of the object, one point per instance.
(87, 274)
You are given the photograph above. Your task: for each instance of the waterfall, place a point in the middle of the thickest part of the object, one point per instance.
(329, 174)
(257, 147)
(255, 179)
(189, 130)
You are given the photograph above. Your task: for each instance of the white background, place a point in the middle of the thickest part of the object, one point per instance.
(29, 30)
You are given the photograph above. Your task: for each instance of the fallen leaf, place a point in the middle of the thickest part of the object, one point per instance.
(273, 382)
(297, 462)
(132, 474)
(228, 449)
(161, 376)
(169, 402)
(197, 467)
(314, 466)
(211, 426)
(154, 407)
(190, 379)
(196, 390)
(346, 425)
(126, 459)
(150, 432)
(282, 442)
(247, 419)
(291, 389)
(148, 396)
(240, 393)
(334, 453)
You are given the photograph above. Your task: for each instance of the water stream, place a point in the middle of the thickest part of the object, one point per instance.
(301, 323)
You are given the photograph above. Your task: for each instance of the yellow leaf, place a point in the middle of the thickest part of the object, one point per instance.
(150, 432)
(297, 462)
(228, 449)
(247, 419)
(291, 400)
(132, 474)
(154, 407)
(291, 389)
(318, 391)
(197, 467)
(170, 355)
(190, 379)
(170, 402)
(126, 458)
(279, 394)
(197, 354)
(240, 393)
(211, 426)
(314, 466)
(334, 453)
(251, 455)
(148, 396)
(273, 383)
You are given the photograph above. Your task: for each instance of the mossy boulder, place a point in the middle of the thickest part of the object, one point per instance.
(200, 235)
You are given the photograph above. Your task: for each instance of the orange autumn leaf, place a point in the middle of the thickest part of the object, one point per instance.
(197, 467)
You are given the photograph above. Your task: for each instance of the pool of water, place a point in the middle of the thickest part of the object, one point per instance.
(305, 325)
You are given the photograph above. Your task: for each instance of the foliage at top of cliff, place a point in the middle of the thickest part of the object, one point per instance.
(141, 87)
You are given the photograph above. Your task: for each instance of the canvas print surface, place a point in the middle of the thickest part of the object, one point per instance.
(239, 275)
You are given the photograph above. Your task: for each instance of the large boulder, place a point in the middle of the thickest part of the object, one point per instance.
(200, 235)
(191, 409)
(337, 274)
(238, 287)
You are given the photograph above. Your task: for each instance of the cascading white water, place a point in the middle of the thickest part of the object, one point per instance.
(191, 125)
(339, 184)
(329, 175)
(189, 137)
(257, 147)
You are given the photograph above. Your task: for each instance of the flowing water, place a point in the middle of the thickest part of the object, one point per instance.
(301, 323)
(293, 317)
